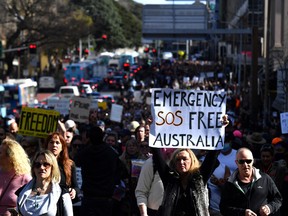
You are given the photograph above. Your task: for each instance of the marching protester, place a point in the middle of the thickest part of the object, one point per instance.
(99, 165)
(149, 191)
(248, 191)
(43, 194)
(185, 181)
(55, 142)
(15, 171)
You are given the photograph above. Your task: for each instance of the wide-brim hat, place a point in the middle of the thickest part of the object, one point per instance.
(255, 138)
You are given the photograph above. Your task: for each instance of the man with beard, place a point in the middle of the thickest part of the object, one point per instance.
(248, 191)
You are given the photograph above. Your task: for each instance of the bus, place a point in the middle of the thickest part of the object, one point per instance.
(131, 58)
(18, 93)
(76, 73)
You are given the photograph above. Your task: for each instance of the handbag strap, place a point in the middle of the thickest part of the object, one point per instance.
(4, 191)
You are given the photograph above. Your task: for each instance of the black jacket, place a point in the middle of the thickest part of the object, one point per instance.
(100, 170)
(263, 191)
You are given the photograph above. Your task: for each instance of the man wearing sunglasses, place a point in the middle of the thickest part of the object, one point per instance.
(248, 191)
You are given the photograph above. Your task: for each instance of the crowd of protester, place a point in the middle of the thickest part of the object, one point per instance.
(109, 155)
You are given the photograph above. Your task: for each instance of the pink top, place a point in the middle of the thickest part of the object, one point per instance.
(8, 200)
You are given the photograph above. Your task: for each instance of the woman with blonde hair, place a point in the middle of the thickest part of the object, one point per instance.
(43, 194)
(185, 182)
(15, 171)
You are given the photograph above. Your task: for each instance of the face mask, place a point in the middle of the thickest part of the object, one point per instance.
(226, 148)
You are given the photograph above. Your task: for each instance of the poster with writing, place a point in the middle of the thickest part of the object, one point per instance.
(79, 111)
(187, 119)
(284, 122)
(38, 122)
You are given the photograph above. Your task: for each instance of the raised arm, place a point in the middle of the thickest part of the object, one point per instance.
(161, 165)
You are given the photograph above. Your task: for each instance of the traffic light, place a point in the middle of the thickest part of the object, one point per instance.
(146, 50)
(32, 48)
(86, 52)
(126, 66)
(154, 51)
(104, 37)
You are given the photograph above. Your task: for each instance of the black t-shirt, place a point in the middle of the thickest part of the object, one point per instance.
(245, 186)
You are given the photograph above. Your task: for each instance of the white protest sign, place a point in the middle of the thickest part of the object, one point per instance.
(137, 96)
(284, 122)
(187, 119)
(61, 105)
(80, 109)
(116, 112)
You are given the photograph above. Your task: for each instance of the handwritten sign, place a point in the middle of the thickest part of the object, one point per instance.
(79, 111)
(187, 119)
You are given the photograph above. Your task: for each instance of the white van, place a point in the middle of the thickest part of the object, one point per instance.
(46, 83)
(69, 91)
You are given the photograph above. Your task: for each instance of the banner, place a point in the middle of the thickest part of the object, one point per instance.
(187, 119)
(38, 122)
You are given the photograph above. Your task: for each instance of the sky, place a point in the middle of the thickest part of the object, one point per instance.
(163, 2)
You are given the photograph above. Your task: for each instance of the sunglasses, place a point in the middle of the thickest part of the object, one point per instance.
(38, 165)
(248, 161)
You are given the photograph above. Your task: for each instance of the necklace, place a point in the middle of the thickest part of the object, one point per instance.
(39, 191)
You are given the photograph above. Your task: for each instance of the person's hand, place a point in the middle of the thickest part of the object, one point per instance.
(249, 212)
(264, 210)
(72, 193)
(225, 121)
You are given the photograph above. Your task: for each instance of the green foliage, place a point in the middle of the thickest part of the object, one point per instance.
(131, 26)
(119, 20)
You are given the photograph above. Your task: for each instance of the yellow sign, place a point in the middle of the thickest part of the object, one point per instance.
(103, 105)
(38, 122)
